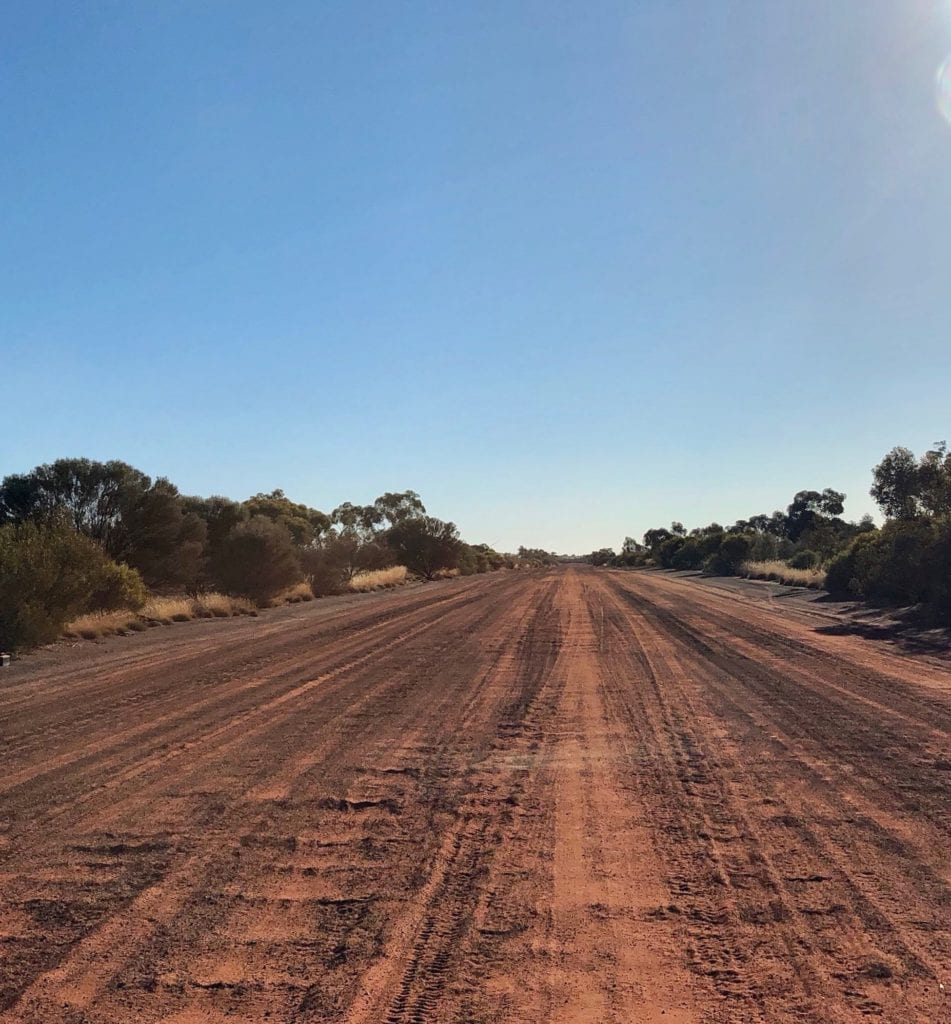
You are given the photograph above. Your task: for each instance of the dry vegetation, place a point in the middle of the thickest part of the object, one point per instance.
(163, 611)
(296, 594)
(158, 611)
(379, 579)
(446, 574)
(780, 572)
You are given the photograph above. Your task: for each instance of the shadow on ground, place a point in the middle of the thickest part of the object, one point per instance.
(909, 629)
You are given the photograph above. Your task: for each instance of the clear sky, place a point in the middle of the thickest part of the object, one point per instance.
(570, 270)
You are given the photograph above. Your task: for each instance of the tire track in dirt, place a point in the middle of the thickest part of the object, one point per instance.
(182, 726)
(561, 796)
(86, 824)
(857, 907)
(409, 982)
(832, 731)
(263, 668)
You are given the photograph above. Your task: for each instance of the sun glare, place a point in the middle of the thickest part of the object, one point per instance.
(943, 89)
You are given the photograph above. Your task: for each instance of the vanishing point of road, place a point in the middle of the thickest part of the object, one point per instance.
(552, 796)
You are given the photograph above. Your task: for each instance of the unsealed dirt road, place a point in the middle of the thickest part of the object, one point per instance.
(568, 796)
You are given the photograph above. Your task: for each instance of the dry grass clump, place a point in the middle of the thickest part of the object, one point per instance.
(293, 595)
(213, 605)
(158, 611)
(379, 579)
(779, 572)
(97, 624)
(446, 574)
(168, 609)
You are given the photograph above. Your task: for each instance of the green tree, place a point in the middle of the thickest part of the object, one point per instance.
(904, 488)
(94, 498)
(165, 542)
(897, 484)
(304, 524)
(425, 545)
(358, 520)
(220, 516)
(808, 508)
(257, 560)
(116, 505)
(395, 506)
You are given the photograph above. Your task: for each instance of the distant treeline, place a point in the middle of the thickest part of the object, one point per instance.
(79, 536)
(905, 562)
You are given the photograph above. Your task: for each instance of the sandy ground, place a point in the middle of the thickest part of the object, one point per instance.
(566, 796)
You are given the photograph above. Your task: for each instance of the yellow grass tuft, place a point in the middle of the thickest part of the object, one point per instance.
(293, 595)
(221, 606)
(446, 574)
(779, 572)
(168, 609)
(158, 610)
(97, 624)
(380, 579)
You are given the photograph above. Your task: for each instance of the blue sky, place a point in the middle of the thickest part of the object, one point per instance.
(570, 270)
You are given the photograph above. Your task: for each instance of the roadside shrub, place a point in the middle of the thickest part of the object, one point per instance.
(732, 552)
(940, 559)
(804, 560)
(764, 547)
(338, 557)
(48, 575)
(908, 561)
(894, 568)
(425, 545)
(325, 569)
(667, 550)
(479, 558)
(841, 580)
(120, 587)
(688, 556)
(257, 560)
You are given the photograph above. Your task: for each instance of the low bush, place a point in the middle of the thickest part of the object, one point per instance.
(120, 587)
(732, 551)
(48, 575)
(908, 561)
(324, 570)
(804, 560)
(841, 580)
(689, 555)
(479, 558)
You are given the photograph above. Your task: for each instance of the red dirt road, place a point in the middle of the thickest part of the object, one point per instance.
(566, 796)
